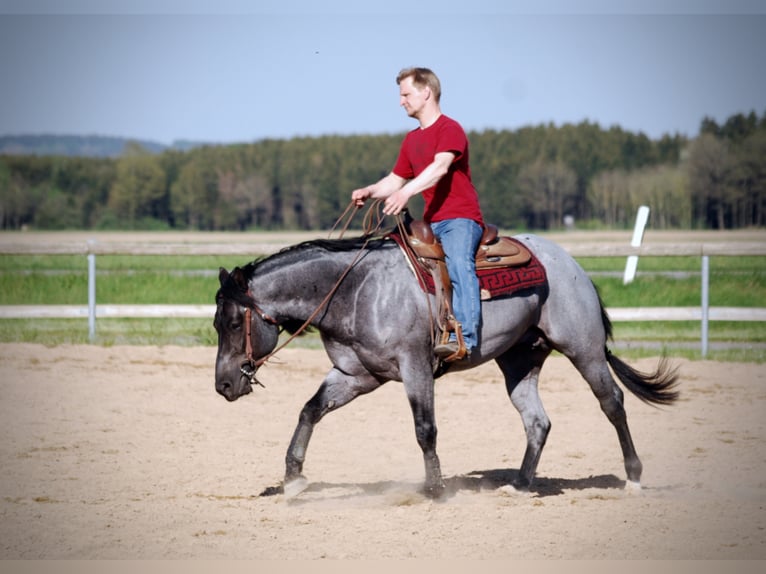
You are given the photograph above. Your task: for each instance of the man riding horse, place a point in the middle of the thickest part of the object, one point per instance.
(433, 160)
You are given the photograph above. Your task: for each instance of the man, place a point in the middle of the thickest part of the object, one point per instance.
(433, 160)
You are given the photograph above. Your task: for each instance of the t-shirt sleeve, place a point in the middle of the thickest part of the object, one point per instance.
(452, 138)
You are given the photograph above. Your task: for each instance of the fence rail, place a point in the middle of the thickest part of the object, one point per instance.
(704, 313)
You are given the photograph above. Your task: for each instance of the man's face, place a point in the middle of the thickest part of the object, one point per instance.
(412, 98)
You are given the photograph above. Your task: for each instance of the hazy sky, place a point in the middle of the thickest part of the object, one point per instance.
(235, 71)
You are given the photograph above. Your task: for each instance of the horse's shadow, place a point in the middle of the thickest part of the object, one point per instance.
(474, 481)
(541, 487)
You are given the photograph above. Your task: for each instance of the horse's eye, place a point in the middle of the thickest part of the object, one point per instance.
(235, 326)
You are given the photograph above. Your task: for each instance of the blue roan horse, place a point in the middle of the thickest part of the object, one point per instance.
(376, 328)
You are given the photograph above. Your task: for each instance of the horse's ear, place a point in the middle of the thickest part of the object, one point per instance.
(223, 275)
(239, 278)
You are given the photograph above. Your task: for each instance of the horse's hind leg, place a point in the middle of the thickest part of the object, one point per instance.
(521, 367)
(610, 396)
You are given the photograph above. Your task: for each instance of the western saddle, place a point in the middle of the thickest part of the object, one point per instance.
(425, 251)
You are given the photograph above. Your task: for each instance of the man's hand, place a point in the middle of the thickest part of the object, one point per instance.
(386, 187)
(359, 196)
(396, 202)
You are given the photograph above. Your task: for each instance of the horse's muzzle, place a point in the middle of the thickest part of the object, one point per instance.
(232, 390)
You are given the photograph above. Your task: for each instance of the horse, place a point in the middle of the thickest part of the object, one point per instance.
(376, 324)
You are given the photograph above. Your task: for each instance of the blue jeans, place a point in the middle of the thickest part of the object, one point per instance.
(460, 239)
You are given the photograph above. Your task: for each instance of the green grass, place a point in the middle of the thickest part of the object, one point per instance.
(118, 262)
(689, 331)
(49, 279)
(137, 280)
(689, 264)
(676, 339)
(734, 281)
(109, 332)
(185, 332)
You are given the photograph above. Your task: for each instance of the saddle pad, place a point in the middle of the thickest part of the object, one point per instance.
(497, 281)
(506, 280)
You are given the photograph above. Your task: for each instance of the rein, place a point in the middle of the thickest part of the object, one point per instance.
(251, 364)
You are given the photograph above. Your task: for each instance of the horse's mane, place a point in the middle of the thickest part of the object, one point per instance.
(338, 245)
(235, 285)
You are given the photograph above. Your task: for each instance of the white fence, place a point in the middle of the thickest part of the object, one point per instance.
(703, 313)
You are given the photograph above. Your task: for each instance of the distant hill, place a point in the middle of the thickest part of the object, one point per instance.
(86, 146)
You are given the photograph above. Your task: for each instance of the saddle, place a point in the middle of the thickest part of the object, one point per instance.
(424, 250)
(493, 251)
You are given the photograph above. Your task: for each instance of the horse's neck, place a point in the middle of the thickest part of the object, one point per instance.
(297, 287)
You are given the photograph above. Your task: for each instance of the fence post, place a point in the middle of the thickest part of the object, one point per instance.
(638, 234)
(91, 292)
(705, 303)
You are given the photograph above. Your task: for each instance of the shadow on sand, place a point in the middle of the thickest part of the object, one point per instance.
(474, 481)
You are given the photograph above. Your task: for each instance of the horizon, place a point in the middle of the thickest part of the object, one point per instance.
(185, 142)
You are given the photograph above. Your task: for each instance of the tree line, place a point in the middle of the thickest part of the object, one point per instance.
(530, 178)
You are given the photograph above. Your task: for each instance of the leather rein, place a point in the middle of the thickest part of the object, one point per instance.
(251, 364)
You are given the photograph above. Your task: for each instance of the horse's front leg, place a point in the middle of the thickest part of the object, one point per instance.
(420, 392)
(336, 390)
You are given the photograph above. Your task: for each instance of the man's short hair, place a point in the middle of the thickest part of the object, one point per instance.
(422, 77)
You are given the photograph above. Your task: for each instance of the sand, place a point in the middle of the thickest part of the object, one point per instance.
(128, 452)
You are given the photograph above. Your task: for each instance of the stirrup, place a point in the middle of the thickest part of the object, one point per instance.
(449, 351)
(446, 350)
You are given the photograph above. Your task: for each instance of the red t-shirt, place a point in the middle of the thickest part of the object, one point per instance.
(454, 195)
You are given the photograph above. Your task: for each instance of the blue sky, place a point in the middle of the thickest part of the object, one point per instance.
(235, 71)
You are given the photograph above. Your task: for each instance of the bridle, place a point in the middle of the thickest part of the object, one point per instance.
(251, 364)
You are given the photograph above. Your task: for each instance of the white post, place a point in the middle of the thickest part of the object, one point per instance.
(705, 303)
(91, 293)
(638, 234)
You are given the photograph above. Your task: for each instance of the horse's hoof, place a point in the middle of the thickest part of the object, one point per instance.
(520, 485)
(295, 486)
(512, 490)
(632, 486)
(435, 491)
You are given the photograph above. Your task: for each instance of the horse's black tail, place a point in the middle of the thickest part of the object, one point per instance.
(657, 388)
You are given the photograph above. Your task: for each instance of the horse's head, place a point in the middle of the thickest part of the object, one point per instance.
(246, 334)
